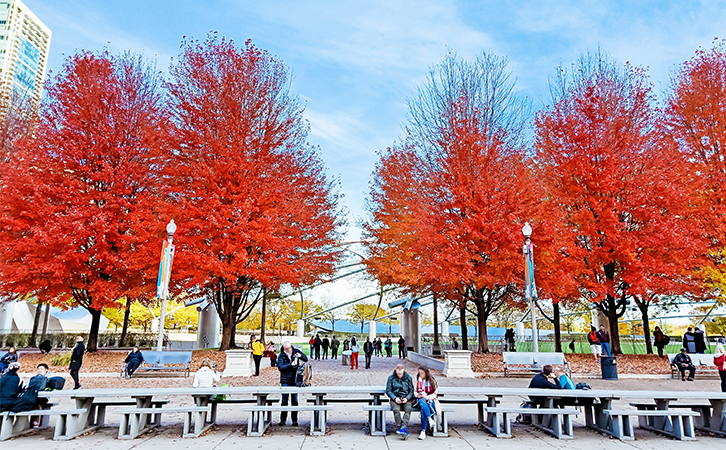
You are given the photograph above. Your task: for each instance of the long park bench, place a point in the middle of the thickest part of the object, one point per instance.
(13, 424)
(214, 403)
(678, 423)
(378, 421)
(259, 419)
(162, 362)
(97, 413)
(530, 362)
(555, 421)
(704, 365)
(132, 418)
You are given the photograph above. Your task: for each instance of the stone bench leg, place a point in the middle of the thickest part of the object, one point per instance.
(683, 427)
(441, 425)
(623, 428)
(257, 425)
(317, 423)
(378, 423)
(6, 428)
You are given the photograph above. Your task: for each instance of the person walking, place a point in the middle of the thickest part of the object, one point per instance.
(368, 350)
(287, 363)
(258, 348)
(326, 346)
(604, 338)
(700, 339)
(399, 390)
(389, 347)
(317, 344)
(334, 346)
(133, 361)
(683, 362)
(689, 341)
(659, 340)
(8, 358)
(206, 376)
(719, 360)
(427, 399)
(354, 350)
(77, 361)
(594, 340)
(401, 347)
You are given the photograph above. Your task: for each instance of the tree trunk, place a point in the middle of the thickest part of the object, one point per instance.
(643, 306)
(614, 332)
(125, 329)
(264, 318)
(556, 323)
(228, 328)
(464, 330)
(482, 324)
(36, 322)
(93, 334)
(44, 334)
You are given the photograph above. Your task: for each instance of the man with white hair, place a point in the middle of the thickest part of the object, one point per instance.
(288, 362)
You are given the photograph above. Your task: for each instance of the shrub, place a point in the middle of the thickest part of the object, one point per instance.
(60, 359)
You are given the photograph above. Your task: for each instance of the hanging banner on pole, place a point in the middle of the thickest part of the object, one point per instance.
(529, 286)
(167, 257)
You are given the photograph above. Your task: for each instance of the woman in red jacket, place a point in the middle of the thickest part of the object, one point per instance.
(719, 359)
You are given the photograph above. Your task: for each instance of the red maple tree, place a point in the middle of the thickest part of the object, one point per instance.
(79, 201)
(254, 203)
(631, 232)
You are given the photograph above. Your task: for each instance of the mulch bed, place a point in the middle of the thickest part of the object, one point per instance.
(582, 363)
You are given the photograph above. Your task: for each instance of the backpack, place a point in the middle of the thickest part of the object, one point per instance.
(55, 384)
(27, 399)
(525, 419)
(592, 337)
(304, 375)
(583, 386)
(666, 339)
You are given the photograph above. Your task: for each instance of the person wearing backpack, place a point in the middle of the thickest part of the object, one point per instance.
(719, 360)
(594, 341)
(287, 363)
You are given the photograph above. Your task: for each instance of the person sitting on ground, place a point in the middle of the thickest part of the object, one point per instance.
(206, 376)
(10, 387)
(427, 399)
(45, 347)
(594, 341)
(719, 360)
(399, 390)
(683, 362)
(564, 381)
(133, 361)
(8, 358)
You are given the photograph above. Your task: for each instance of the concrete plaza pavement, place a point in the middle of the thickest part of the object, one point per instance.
(347, 428)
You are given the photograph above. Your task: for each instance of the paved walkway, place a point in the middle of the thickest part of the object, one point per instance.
(347, 428)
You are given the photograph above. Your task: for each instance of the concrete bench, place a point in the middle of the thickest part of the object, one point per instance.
(529, 362)
(676, 423)
(16, 424)
(479, 402)
(97, 412)
(132, 417)
(378, 421)
(257, 424)
(554, 421)
(158, 362)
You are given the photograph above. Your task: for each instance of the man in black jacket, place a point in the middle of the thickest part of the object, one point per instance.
(287, 363)
(368, 350)
(684, 362)
(334, 345)
(77, 361)
(326, 345)
(317, 343)
(401, 348)
(10, 387)
(399, 389)
(542, 381)
(133, 361)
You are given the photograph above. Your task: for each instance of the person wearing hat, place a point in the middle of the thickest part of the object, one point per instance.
(10, 387)
(683, 362)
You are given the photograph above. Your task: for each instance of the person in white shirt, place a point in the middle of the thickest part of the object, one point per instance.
(206, 376)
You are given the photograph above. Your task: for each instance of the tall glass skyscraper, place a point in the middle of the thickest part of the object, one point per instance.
(24, 48)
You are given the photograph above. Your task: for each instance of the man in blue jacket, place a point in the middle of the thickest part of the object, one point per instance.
(287, 363)
(399, 389)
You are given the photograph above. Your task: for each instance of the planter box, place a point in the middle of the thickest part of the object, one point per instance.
(458, 364)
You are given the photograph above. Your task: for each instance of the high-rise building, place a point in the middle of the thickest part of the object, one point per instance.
(24, 48)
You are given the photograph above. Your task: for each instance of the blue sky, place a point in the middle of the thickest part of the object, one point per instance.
(355, 63)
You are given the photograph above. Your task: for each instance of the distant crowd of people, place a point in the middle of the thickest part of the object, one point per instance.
(319, 347)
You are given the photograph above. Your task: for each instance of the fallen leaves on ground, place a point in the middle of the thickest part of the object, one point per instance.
(581, 363)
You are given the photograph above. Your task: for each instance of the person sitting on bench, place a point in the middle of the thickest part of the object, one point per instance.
(683, 362)
(133, 361)
(399, 390)
(543, 380)
(10, 387)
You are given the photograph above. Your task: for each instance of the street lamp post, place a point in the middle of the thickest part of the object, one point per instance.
(162, 286)
(529, 287)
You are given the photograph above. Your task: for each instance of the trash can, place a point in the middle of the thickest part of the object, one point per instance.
(345, 357)
(609, 368)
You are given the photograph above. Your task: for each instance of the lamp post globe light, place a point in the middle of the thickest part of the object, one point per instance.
(529, 288)
(162, 288)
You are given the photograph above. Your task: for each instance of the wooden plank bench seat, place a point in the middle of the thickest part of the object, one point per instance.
(259, 420)
(676, 423)
(554, 421)
(16, 424)
(97, 413)
(378, 421)
(132, 417)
